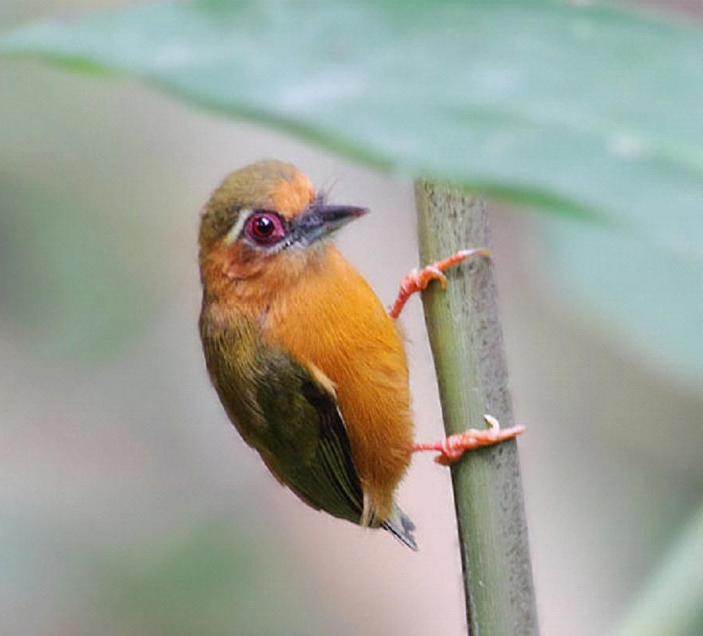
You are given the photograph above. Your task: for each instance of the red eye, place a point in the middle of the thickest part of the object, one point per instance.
(264, 228)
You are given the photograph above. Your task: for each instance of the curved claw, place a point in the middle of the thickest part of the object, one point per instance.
(417, 280)
(425, 276)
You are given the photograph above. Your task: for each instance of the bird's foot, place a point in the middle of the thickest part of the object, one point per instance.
(418, 279)
(453, 447)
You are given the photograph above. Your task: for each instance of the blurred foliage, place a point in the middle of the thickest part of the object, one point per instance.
(211, 582)
(646, 296)
(541, 102)
(211, 578)
(676, 586)
(585, 110)
(64, 281)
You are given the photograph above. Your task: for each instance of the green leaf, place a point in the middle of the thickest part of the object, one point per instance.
(586, 110)
(647, 299)
(583, 108)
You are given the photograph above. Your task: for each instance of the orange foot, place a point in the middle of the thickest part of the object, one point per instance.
(416, 280)
(454, 446)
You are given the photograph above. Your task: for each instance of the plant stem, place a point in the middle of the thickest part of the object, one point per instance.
(467, 345)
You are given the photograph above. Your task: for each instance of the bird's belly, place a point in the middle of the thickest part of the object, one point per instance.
(344, 331)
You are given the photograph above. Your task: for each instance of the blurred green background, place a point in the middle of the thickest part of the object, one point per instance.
(128, 505)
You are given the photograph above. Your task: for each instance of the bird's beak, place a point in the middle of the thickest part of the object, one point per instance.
(320, 220)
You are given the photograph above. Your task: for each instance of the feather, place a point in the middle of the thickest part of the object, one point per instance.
(401, 527)
(307, 363)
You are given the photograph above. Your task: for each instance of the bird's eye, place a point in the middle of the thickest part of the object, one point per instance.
(264, 228)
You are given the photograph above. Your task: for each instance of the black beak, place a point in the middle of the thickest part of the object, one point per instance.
(320, 220)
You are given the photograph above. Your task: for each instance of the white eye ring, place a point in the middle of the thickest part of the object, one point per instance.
(237, 228)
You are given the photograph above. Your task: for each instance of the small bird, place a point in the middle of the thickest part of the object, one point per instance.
(308, 365)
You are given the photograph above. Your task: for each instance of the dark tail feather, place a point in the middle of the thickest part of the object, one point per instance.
(401, 527)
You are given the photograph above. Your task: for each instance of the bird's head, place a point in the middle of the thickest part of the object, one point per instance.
(265, 224)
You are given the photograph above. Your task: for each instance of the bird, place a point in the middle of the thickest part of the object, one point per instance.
(309, 366)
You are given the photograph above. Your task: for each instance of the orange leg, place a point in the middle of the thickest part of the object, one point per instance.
(416, 280)
(454, 446)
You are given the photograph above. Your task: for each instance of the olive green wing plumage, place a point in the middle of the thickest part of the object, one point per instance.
(317, 465)
(281, 410)
(285, 413)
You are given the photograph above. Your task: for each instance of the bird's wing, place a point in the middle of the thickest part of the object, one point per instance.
(308, 447)
(289, 413)
(325, 476)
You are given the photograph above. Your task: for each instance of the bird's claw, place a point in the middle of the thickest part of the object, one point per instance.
(453, 447)
(418, 279)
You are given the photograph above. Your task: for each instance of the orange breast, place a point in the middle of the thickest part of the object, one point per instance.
(332, 319)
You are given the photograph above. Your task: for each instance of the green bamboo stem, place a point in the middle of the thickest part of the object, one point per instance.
(467, 345)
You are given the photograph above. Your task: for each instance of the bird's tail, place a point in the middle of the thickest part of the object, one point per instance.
(401, 527)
